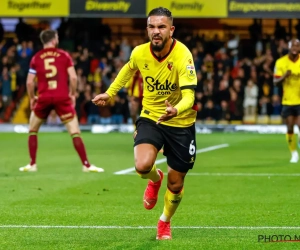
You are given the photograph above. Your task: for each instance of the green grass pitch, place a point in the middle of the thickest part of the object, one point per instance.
(233, 195)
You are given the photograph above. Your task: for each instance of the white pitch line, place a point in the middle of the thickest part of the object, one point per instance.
(151, 227)
(199, 151)
(241, 174)
(246, 174)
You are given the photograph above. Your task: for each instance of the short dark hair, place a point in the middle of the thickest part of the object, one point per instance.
(47, 35)
(161, 11)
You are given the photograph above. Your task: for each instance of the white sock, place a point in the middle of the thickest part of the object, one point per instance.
(164, 218)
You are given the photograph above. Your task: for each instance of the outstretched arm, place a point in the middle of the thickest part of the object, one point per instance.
(122, 78)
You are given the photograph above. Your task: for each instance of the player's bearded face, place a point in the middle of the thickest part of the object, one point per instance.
(158, 43)
(159, 32)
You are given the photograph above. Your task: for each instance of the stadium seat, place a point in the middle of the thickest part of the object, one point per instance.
(275, 119)
(236, 122)
(210, 122)
(249, 119)
(263, 119)
(223, 122)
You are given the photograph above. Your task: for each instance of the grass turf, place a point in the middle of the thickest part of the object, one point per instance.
(59, 194)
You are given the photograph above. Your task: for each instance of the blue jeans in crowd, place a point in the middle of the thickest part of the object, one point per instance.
(117, 119)
(93, 119)
(105, 121)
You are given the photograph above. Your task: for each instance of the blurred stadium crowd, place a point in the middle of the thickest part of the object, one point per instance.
(234, 76)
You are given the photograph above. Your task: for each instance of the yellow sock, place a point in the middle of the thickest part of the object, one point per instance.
(153, 175)
(172, 201)
(291, 140)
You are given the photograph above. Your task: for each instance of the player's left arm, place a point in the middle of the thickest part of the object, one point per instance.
(127, 72)
(187, 84)
(30, 83)
(73, 80)
(71, 73)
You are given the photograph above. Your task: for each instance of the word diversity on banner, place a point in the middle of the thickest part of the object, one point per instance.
(34, 8)
(192, 8)
(264, 8)
(108, 8)
(141, 8)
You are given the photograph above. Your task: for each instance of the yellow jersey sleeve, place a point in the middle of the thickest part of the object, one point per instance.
(187, 101)
(132, 60)
(129, 83)
(278, 70)
(187, 73)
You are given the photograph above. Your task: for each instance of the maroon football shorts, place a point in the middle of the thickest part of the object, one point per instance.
(62, 106)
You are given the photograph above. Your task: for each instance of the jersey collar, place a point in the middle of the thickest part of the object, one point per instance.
(295, 60)
(160, 59)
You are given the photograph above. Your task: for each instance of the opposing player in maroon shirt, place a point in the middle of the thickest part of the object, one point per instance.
(53, 68)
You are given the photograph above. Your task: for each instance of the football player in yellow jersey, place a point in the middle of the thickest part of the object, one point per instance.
(167, 118)
(287, 72)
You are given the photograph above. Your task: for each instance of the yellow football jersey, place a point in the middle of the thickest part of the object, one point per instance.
(163, 79)
(291, 85)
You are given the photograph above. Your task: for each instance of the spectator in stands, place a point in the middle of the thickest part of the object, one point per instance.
(250, 98)
(92, 111)
(223, 69)
(237, 97)
(5, 82)
(81, 79)
(222, 94)
(234, 106)
(126, 50)
(276, 105)
(200, 115)
(95, 77)
(224, 112)
(117, 110)
(264, 106)
(14, 81)
(23, 48)
(210, 112)
(53, 119)
(83, 62)
(4, 63)
(23, 60)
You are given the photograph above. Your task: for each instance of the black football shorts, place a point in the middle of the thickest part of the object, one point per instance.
(290, 110)
(179, 143)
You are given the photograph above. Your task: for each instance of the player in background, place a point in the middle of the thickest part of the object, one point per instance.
(53, 69)
(287, 73)
(135, 95)
(167, 118)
